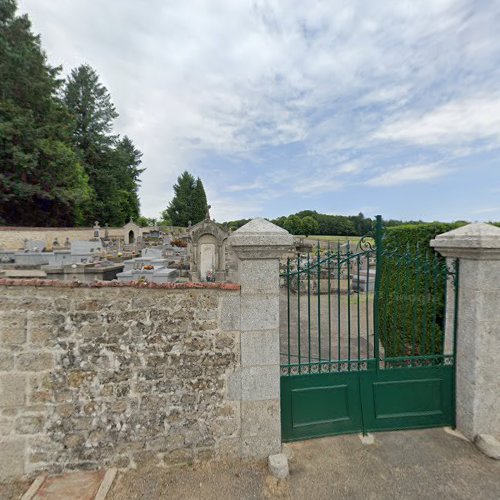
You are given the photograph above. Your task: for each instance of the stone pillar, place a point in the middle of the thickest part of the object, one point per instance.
(259, 246)
(477, 246)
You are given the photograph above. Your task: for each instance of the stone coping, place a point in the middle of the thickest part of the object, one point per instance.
(116, 284)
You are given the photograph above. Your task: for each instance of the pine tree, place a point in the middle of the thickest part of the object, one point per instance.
(41, 180)
(111, 163)
(189, 203)
(200, 205)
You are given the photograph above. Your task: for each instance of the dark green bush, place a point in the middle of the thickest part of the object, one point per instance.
(412, 290)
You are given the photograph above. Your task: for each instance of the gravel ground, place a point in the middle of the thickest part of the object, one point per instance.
(13, 489)
(419, 465)
(215, 480)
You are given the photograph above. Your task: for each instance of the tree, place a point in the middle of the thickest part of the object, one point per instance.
(309, 226)
(293, 224)
(112, 164)
(200, 204)
(189, 203)
(42, 181)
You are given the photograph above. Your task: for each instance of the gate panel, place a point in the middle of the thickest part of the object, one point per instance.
(320, 405)
(407, 398)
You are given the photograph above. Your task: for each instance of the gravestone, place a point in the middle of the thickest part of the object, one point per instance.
(34, 245)
(83, 247)
(207, 251)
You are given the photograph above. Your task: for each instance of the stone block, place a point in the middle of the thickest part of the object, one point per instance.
(11, 457)
(260, 347)
(43, 328)
(234, 386)
(30, 424)
(489, 445)
(6, 361)
(278, 465)
(6, 425)
(230, 315)
(260, 382)
(259, 276)
(12, 390)
(260, 418)
(260, 446)
(35, 361)
(259, 312)
(178, 457)
(12, 328)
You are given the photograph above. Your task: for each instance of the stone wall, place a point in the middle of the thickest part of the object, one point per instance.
(12, 238)
(100, 374)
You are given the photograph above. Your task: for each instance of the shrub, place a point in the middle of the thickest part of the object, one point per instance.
(178, 243)
(412, 290)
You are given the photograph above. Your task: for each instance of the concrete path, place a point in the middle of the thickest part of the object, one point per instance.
(426, 464)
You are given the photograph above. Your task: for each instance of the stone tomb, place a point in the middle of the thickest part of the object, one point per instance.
(207, 251)
(34, 245)
(151, 266)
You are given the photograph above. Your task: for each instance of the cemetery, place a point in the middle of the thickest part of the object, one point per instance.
(290, 343)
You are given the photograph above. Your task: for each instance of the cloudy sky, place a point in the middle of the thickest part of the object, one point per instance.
(382, 106)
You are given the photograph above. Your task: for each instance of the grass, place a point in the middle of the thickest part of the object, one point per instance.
(342, 239)
(334, 240)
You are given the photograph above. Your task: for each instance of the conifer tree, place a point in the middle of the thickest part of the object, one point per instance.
(42, 182)
(111, 163)
(189, 203)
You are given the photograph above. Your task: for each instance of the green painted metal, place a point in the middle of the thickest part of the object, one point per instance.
(374, 357)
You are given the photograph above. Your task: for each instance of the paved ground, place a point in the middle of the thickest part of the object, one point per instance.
(425, 464)
(351, 316)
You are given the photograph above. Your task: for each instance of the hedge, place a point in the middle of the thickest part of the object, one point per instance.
(412, 290)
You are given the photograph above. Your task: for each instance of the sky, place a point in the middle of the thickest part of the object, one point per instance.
(382, 107)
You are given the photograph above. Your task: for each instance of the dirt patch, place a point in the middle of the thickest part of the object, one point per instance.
(209, 480)
(15, 489)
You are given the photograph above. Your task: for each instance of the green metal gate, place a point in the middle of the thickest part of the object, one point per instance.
(365, 341)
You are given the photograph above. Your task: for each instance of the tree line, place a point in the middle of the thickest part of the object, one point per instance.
(61, 164)
(310, 222)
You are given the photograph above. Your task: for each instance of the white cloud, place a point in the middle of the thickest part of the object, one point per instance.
(196, 81)
(417, 173)
(489, 210)
(458, 122)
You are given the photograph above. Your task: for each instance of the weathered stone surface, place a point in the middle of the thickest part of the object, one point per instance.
(278, 465)
(118, 376)
(259, 312)
(30, 424)
(478, 335)
(489, 445)
(260, 418)
(6, 361)
(34, 361)
(11, 457)
(260, 347)
(12, 328)
(12, 390)
(260, 382)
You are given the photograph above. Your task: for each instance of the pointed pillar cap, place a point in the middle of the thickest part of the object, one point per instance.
(260, 239)
(478, 241)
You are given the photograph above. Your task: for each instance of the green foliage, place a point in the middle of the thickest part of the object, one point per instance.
(60, 164)
(189, 204)
(412, 290)
(112, 164)
(41, 179)
(309, 226)
(293, 225)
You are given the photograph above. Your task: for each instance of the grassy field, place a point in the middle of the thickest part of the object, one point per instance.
(342, 239)
(334, 240)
